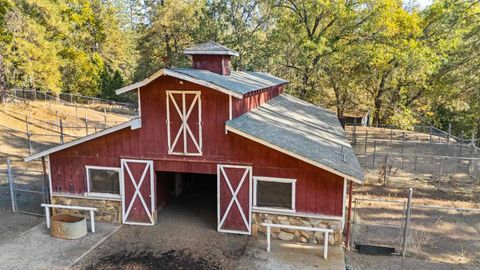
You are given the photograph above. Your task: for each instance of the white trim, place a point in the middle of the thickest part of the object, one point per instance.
(99, 194)
(230, 109)
(344, 201)
(298, 214)
(171, 73)
(49, 177)
(276, 180)
(81, 140)
(150, 212)
(184, 114)
(76, 196)
(234, 199)
(207, 52)
(297, 156)
(139, 102)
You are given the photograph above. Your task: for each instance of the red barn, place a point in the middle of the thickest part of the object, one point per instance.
(273, 157)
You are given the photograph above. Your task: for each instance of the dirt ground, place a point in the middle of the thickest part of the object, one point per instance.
(195, 243)
(356, 261)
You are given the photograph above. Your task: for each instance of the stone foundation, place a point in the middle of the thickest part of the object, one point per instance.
(108, 210)
(335, 239)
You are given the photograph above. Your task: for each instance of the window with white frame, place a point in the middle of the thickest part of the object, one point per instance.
(276, 194)
(103, 181)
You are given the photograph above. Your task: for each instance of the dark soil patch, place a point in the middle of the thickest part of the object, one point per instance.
(173, 259)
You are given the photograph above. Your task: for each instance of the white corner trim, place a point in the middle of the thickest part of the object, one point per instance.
(277, 180)
(297, 156)
(345, 182)
(81, 140)
(171, 73)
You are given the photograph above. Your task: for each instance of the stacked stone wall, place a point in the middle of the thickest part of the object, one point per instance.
(108, 210)
(335, 239)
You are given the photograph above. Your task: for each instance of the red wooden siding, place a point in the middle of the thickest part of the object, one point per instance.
(219, 64)
(253, 100)
(317, 191)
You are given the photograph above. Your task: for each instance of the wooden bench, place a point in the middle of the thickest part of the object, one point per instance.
(300, 228)
(92, 211)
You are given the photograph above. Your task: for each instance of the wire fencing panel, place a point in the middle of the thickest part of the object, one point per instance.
(445, 234)
(23, 187)
(378, 222)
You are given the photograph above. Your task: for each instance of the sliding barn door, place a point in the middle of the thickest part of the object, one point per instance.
(234, 187)
(184, 123)
(138, 192)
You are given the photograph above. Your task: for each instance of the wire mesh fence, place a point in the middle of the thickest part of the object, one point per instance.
(436, 233)
(378, 222)
(460, 174)
(22, 188)
(442, 233)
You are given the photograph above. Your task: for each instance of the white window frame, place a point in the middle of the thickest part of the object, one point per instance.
(104, 195)
(277, 180)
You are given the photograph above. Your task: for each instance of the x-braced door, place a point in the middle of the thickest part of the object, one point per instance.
(184, 123)
(138, 194)
(234, 187)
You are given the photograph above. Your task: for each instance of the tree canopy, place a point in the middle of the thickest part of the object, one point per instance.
(405, 65)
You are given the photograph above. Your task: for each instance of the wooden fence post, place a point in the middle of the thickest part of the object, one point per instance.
(105, 117)
(86, 125)
(61, 132)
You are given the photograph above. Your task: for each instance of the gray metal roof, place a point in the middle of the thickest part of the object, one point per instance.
(241, 82)
(303, 130)
(210, 48)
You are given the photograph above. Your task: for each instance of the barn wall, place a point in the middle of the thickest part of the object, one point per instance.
(253, 100)
(317, 191)
(219, 64)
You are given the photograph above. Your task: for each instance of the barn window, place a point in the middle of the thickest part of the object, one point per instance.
(274, 194)
(103, 181)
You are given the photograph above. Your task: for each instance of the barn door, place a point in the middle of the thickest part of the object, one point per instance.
(184, 126)
(234, 187)
(138, 192)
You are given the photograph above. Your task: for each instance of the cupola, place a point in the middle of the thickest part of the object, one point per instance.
(211, 56)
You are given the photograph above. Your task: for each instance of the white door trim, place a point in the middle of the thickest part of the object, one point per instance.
(126, 209)
(234, 199)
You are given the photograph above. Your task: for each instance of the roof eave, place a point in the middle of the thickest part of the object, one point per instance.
(206, 52)
(297, 156)
(177, 75)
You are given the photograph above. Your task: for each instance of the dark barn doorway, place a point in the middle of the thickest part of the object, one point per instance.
(188, 197)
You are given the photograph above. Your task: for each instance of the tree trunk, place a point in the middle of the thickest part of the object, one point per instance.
(3, 82)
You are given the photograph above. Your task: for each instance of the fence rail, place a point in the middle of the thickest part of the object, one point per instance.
(69, 99)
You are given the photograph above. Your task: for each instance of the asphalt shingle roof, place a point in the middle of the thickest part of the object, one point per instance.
(303, 129)
(241, 82)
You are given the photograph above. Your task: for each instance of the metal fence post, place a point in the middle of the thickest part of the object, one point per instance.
(374, 151)
(385, 173)
(441, 172)
(449, 132)
(407, 222)
(354, 131)
(366, 141)
(11, 184)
